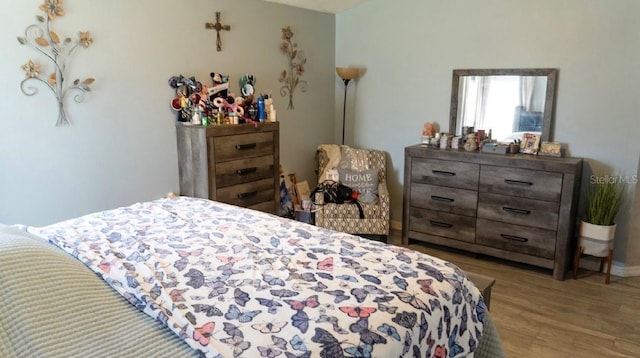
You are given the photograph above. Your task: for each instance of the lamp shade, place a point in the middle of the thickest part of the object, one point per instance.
(347, 73)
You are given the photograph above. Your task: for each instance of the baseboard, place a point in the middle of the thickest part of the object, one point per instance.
(619, 269)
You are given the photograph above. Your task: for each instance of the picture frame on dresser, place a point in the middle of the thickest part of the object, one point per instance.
(530, 143)
(552, 149)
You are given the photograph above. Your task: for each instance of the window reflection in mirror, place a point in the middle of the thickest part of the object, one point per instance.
(507, 102)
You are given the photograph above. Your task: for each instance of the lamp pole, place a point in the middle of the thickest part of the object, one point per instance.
(344, 106)
(346, 74)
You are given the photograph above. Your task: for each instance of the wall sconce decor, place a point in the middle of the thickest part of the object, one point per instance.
(346, 74)
(296, 61)
(44, 40)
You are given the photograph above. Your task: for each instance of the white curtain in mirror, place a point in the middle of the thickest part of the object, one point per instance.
(488, 100)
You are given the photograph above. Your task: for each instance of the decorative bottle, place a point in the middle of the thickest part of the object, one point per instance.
(196, 118)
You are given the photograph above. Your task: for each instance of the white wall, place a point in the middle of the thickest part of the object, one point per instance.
(410, 47)
(121, 147)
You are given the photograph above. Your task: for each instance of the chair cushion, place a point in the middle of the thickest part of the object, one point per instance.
(349, 210)
(365, 182)
(356, 159)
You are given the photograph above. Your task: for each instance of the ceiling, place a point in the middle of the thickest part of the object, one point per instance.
(332, 6)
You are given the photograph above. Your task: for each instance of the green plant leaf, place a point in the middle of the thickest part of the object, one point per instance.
(604, 199)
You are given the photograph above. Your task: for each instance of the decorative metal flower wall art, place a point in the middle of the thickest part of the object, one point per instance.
(296, 61)
(45, 41)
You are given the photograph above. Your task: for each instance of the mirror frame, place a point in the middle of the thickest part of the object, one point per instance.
(549, 104)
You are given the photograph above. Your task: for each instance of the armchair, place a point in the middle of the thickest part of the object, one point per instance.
(345, 217)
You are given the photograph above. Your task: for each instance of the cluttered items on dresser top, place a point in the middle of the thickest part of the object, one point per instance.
(199, 104)
(482, 140)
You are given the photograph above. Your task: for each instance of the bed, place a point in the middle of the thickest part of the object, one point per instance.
(192, 277)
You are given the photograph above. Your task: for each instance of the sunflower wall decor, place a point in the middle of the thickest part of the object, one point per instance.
(45, 41)
(296, 61)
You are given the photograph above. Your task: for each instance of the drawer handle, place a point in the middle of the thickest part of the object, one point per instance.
(246, 171)
(250, 194)
(518, 182)
(514, 238)
(440, 224)
(516, 211)
(245, 146)
(442, 198)
(443, 173)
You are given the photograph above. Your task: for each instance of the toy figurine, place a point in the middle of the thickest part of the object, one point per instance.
(470, 144)
(428, 130)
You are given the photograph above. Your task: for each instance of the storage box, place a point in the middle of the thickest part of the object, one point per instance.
(495, 148)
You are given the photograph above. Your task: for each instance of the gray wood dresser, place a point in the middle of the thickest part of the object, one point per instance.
(516, 207)
(236, 164)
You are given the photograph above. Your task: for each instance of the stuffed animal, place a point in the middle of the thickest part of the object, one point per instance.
(470, 144)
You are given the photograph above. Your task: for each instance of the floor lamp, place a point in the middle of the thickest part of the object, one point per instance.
(347, 74)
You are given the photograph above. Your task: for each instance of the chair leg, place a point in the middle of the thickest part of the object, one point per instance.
(609, 259)
(576, 261)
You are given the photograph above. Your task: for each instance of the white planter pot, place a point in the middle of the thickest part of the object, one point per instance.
(596, 240)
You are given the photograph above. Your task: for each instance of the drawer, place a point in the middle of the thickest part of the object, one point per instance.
(525, 183)
(442, 198)
(242, 146)
(521, 211)
(443, 224)
(243, 171)
(445, 172)
(516, 238)
(248, 194)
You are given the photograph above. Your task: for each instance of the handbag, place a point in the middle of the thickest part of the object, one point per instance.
(334, 192)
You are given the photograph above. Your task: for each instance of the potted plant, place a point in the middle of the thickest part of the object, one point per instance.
(597, 229)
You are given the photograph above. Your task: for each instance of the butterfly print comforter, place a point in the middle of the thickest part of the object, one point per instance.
(233, 282)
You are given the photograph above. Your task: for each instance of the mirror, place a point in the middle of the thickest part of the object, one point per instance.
(509, 102)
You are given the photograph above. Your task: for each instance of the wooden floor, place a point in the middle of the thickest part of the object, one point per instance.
(538, 316)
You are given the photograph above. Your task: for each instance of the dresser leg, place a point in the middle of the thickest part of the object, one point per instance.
(576, 260)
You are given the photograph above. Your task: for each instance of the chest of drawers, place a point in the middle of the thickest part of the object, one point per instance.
(516, 207)
(234, 164)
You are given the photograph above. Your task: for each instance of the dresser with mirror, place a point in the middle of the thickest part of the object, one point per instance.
(517, 207)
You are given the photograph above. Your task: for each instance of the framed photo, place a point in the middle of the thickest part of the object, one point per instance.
(551, 148)
(530, 143)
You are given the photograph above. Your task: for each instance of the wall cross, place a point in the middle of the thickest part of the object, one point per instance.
(218, 27)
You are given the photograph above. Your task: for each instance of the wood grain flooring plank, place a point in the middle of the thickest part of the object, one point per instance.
(538, 316)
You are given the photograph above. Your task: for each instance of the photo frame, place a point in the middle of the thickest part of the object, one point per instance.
(552, 149)
(530, 143)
